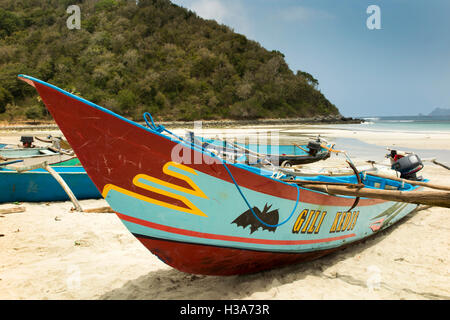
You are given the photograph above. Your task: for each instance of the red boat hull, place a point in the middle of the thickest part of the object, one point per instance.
(220, 261)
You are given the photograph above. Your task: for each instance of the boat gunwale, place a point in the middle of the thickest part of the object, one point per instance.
(38, 171)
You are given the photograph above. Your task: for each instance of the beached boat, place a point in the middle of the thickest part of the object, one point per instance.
(24, 153)
(203, 215)
(276, 154)
(38, 185)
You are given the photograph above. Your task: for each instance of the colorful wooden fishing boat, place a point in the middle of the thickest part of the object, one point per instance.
(202, 215)
(276, 154)
(23, 153)
(39, 186)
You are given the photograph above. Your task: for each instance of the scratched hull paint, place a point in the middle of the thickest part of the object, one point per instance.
(191, 215)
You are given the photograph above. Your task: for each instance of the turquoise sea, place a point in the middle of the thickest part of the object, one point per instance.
(419, 124)
(411, 124)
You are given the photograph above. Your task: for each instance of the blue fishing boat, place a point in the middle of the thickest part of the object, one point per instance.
(39, 186)
(276, 154)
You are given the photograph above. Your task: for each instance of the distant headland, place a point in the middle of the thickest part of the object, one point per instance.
(439, 112)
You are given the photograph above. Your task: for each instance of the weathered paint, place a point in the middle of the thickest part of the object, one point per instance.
(186, 213)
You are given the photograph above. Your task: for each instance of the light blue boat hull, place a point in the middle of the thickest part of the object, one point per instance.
(24, 153)
(39, 186)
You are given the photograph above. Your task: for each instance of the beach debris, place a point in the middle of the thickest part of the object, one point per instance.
(2, 235)
(82, 243)
(12, 210)
(440, 164)
(57, 218)
(99, 210)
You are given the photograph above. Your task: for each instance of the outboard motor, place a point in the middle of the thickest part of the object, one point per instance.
(27, 141)
(408, 166)
(314, 147)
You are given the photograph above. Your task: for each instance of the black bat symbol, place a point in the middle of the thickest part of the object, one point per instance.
(248, 219)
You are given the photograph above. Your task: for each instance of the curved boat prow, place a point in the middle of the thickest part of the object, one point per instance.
(91, 130)
(189, 213)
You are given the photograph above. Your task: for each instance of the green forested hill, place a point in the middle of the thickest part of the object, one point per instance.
(155, 57)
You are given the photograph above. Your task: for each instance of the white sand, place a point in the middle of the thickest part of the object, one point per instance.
(49, 252)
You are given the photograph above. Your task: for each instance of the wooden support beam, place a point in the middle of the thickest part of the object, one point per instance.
(431, 198)
(323, 183)
(64, 186)
(12, 210)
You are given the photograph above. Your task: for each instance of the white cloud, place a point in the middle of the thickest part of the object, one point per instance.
(229, 12)
(210, 9)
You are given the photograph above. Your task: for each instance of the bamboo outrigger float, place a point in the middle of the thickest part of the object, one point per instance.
(215, 217)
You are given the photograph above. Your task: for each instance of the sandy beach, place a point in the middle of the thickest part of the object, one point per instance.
(49, 252)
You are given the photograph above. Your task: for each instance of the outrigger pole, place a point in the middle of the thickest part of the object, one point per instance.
(431, 198)
(44, 165)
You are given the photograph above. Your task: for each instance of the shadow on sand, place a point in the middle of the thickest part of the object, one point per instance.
(169, 284)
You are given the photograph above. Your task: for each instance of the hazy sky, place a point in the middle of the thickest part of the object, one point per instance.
(401, 69)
